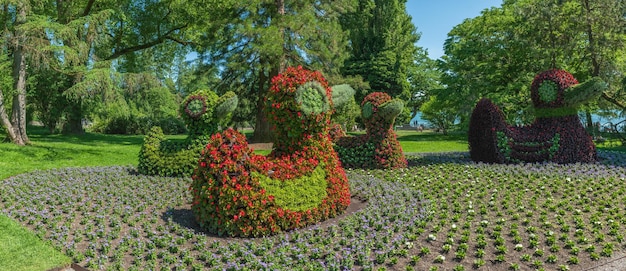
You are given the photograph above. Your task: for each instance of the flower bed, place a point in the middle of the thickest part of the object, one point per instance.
(443, 211)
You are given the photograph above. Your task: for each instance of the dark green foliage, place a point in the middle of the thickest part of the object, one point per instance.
(203, 112)
(382, 39)
(134, 125)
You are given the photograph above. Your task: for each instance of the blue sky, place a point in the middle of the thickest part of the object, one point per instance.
(435, 18)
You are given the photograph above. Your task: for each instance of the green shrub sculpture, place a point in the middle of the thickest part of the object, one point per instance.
(203, 112)
(301, 182)
(379, 147)
(556, 135)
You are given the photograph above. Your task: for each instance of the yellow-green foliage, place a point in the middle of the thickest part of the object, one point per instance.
(299, 194)
(167, 158)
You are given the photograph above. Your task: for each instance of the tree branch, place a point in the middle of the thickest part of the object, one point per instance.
(147, 45)
(613, 101)
(87, 9)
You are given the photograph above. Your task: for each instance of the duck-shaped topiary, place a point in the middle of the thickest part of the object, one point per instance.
(378, 147)
(203, 112)
(556, 135)
(301, 182)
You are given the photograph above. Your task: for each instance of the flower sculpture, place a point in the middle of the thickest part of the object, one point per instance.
(301, 182)
(203, 112)
(556, 135)
(379, 147)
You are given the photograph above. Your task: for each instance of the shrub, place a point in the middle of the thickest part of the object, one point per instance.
(556, 134)
(379, 147)
(202, 111)
(238, 193)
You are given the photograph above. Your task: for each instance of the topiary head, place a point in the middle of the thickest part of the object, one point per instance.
(548, 88)
(298, 105)
(203, 111)
(379, 110)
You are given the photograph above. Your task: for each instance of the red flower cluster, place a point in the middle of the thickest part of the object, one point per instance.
(379, 147)
(558, 137)
(228, 196)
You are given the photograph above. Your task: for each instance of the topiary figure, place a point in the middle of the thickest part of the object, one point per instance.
(556, 135)
(203, 112)
(379, 147)
(301, 182)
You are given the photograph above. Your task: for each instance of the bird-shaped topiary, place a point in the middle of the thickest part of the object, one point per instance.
(379, 147)
(556, 135)
(301, 182)
(203, 112)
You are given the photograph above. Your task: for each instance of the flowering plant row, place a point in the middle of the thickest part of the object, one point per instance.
(239, 193)
(379, 147)
(556, 134)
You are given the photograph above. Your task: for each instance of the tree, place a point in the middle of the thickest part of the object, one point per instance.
(260, 38)
(382, 46)
(15, 45)
(439, 112)
(496, 54)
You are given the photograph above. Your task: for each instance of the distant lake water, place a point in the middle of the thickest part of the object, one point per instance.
(603, 120)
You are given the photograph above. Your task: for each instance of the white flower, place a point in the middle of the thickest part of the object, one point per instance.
(431, 237)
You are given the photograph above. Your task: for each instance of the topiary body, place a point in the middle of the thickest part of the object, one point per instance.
(556, 135)
(379, 147)
(203, 112)
(301, 182)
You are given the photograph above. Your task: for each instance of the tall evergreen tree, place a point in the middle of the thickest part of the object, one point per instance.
(382, 46)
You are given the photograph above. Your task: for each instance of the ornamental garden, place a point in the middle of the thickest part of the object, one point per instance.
(532, 197)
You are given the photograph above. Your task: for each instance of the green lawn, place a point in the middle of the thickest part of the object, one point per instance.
(57, 151)
(419, 142)
(20, 249)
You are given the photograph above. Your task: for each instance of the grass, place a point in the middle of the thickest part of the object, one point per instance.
(21, 250)
(424, 142)
(449, 182)
(57, 151)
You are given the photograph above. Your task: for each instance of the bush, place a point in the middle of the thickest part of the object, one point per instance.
(379, 147)
(133, 125)
(202, 111)
(238, 193)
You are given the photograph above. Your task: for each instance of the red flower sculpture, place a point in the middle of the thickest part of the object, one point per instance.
(301, 182)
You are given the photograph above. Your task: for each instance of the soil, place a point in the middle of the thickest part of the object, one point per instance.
(261, 146)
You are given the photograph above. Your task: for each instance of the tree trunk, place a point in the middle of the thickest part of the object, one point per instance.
(18, 118)
(74, 124)
(590, 125)
(7, 123)
(262, 128)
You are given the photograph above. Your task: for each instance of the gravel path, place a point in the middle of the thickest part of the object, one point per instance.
(615, 263)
